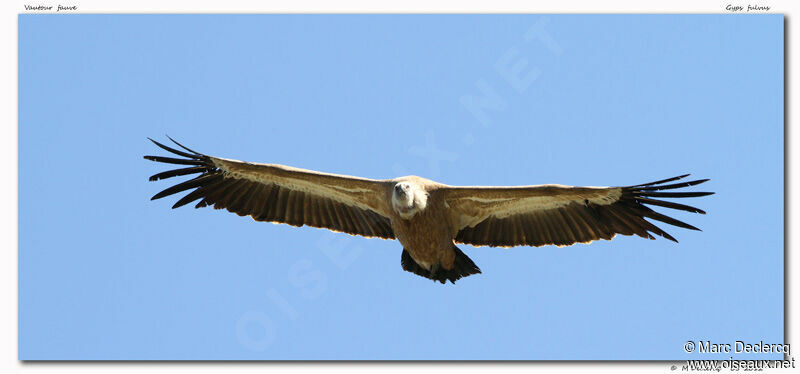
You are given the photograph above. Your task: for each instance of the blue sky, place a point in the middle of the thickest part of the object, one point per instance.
(104, 273)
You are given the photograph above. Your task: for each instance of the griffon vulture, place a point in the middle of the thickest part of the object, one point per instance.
(428, 218)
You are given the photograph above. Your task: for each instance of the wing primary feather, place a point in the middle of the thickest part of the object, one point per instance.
(656, 230)
(669, 204)
(674, 194)
(661, 181)
(649, 213)
(177, 161)
(673, 186)
(192, 183)
(175, 151)
(178, 172)
(191, 196)
(182, 146)
(632, 221)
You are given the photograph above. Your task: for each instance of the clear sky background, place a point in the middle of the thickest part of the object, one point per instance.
(104, 273)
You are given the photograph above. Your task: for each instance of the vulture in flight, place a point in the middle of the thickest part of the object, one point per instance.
(428, 218)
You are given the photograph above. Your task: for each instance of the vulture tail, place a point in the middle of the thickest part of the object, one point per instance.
(462, 267)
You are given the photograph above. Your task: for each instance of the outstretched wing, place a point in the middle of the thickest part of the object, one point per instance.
(563, 215)
(277, 193)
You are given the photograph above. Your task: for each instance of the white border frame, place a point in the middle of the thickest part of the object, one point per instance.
(9, 152)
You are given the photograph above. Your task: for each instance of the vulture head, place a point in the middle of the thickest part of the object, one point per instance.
(408, 198)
